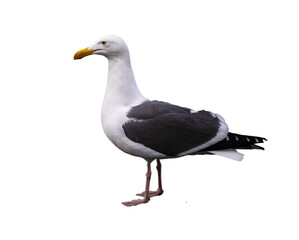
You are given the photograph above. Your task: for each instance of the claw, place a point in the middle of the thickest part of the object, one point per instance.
(151, 193)
(135, 202)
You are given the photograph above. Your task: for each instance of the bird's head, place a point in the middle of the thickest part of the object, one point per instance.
(108, 46)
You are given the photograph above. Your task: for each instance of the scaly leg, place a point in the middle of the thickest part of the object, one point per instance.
(160, 189)
(146, 196)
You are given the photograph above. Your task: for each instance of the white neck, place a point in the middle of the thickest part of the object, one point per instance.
(122, 90)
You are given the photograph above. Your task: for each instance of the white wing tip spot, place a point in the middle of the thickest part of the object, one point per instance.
(248, 140)
(237, 139)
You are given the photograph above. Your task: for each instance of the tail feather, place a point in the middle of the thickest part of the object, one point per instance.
(237, 141)
(228, 153)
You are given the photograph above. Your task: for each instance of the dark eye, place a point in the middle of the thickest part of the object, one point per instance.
(104, 42)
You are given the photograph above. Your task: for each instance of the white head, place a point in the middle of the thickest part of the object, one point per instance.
(109, 46)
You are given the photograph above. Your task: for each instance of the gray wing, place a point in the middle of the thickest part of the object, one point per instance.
(170, 129)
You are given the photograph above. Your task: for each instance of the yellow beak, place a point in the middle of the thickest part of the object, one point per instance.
(83, 53)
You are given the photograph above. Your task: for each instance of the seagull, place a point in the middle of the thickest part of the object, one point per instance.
(155, 130)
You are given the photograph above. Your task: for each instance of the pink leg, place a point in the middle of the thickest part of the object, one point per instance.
(160, 189)
(146, 196)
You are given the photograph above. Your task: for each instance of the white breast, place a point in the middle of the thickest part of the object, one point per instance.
(112, 122)
(121, 95)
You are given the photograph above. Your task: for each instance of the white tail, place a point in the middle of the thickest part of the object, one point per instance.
(229, 153)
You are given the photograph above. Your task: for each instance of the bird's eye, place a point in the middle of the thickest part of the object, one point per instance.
(104, 42)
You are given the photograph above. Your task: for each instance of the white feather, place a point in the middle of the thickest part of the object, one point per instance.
(229, 153)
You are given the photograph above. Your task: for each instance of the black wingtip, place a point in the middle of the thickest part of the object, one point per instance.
(257, 147)
(238, 141)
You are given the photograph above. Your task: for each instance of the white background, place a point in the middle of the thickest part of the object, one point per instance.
(60, 178)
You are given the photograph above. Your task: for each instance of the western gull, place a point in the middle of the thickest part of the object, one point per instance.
(155, 130)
